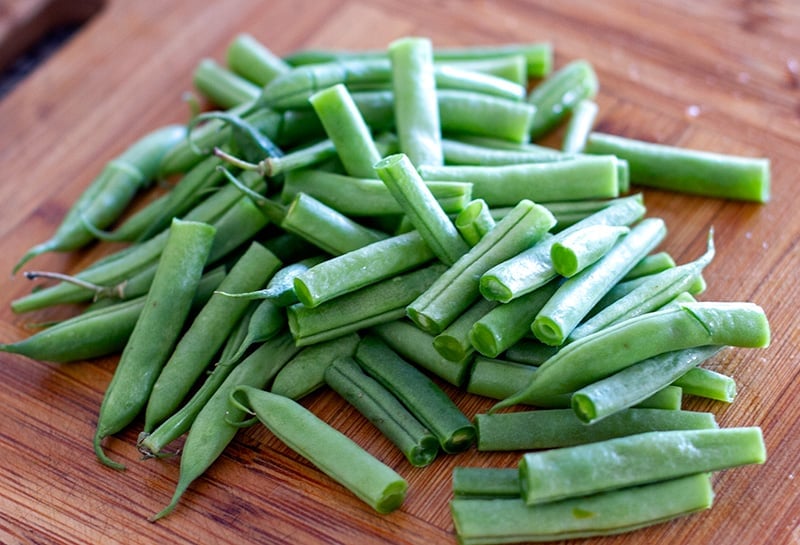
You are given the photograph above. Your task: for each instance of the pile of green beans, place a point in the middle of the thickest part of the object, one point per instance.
(388, 225)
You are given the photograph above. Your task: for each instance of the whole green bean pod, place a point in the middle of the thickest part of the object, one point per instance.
(305, 372)
(691, 171)
(108, 195)
(457, 288)
(384, 410)
(253, 61)
(621, 345)
(215, 425)
(416, 107)
(707, 383)
(429, 403)
(557, 95)
(510, 520)
(335, 454)
(280, 288)
(635, 460)
(157, 329)
(206, 334)
(576, 296)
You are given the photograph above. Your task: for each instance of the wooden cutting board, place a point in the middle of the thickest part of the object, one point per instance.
(717, 75)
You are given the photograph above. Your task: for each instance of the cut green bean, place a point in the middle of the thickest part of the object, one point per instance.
(457, 288)
(481, 521)
(358, 197)
(511, 67)
(206, 334)
(485, 482)
(530, 351)
(584, 247)
(462, 151)
(650, 264)
(579, 126)
(474, 221)
(577, 295)
(216, 421)
(470, 113)
(417, 346)
(636, 383)
(557, 95)
(652, 293)
(156, 331)
(635, 460)
(346, 128)
(416, 107)
(305, 372)
(507, 324)
(554, 428)
(453, 343)
(221, 86)
(336, 455)
(382, 302)
(505, 185)
(250, 59)
(707, 383)
(419, 204)
(423, 398)
(384, 410)
(361, 267)
(616, 347)
(497, 378)
(690, 171)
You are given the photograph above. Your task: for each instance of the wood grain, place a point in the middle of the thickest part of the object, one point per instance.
(719, 75)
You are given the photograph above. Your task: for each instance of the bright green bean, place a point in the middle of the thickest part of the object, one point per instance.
(497, 378)
(579, 126)
(707, 383)
(530, 351)
(686, 170)
(584, 247)
(650, 264)
(221, 86)
(474, 221)
(253, 61)
(280, 288)
(557, 95)
(453, 343)
(485, 482)
(457, 288)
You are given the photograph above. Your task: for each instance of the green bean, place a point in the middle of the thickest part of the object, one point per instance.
(576, 179)
(707, 383)
(266, 320)
(650, 264)
(307, 156)
(221, 86)
(510, 520)
(326, 228)
(530, 351)
(237, 226)
(133, 227)
(584, 247)
(538, 56)
(383, 410)
(507, 324)
(470, 113)
(485, 482)
(497, 378)
(382, 302)
(457, 288)
(533, 268)
(423, 398)
(579, 126)
(419, 204)
(635, 383)
(280, 288)
(453, 343)
(464, 152)
(156, 331)
(416, 107)
(511, 67)
(474, 221)
(359, 197)
(691, 171)
(416, 346)
(635, 460)
(336, 455)
(577, 295)
(305, 372)
(250, 59)
(96, 332)
(554, 428)
(558, 95)
(110, 193)
(206, 334)
(612, 349)
(652, 293)
(346, 128)
(215, 423)
(361, 267)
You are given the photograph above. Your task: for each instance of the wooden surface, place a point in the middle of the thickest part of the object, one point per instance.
(719, 75)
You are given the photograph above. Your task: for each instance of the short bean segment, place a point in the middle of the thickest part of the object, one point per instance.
(707, 383)
(485, 482)
(619, 346)
(584, 247)
(223, 87)
(558, 95)
(474, 221)
(335, 454)
(250, 59)
(454, 343)
(384, 410)
(157, 329)
(423, 398)
(635, 460)
(107, 197)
